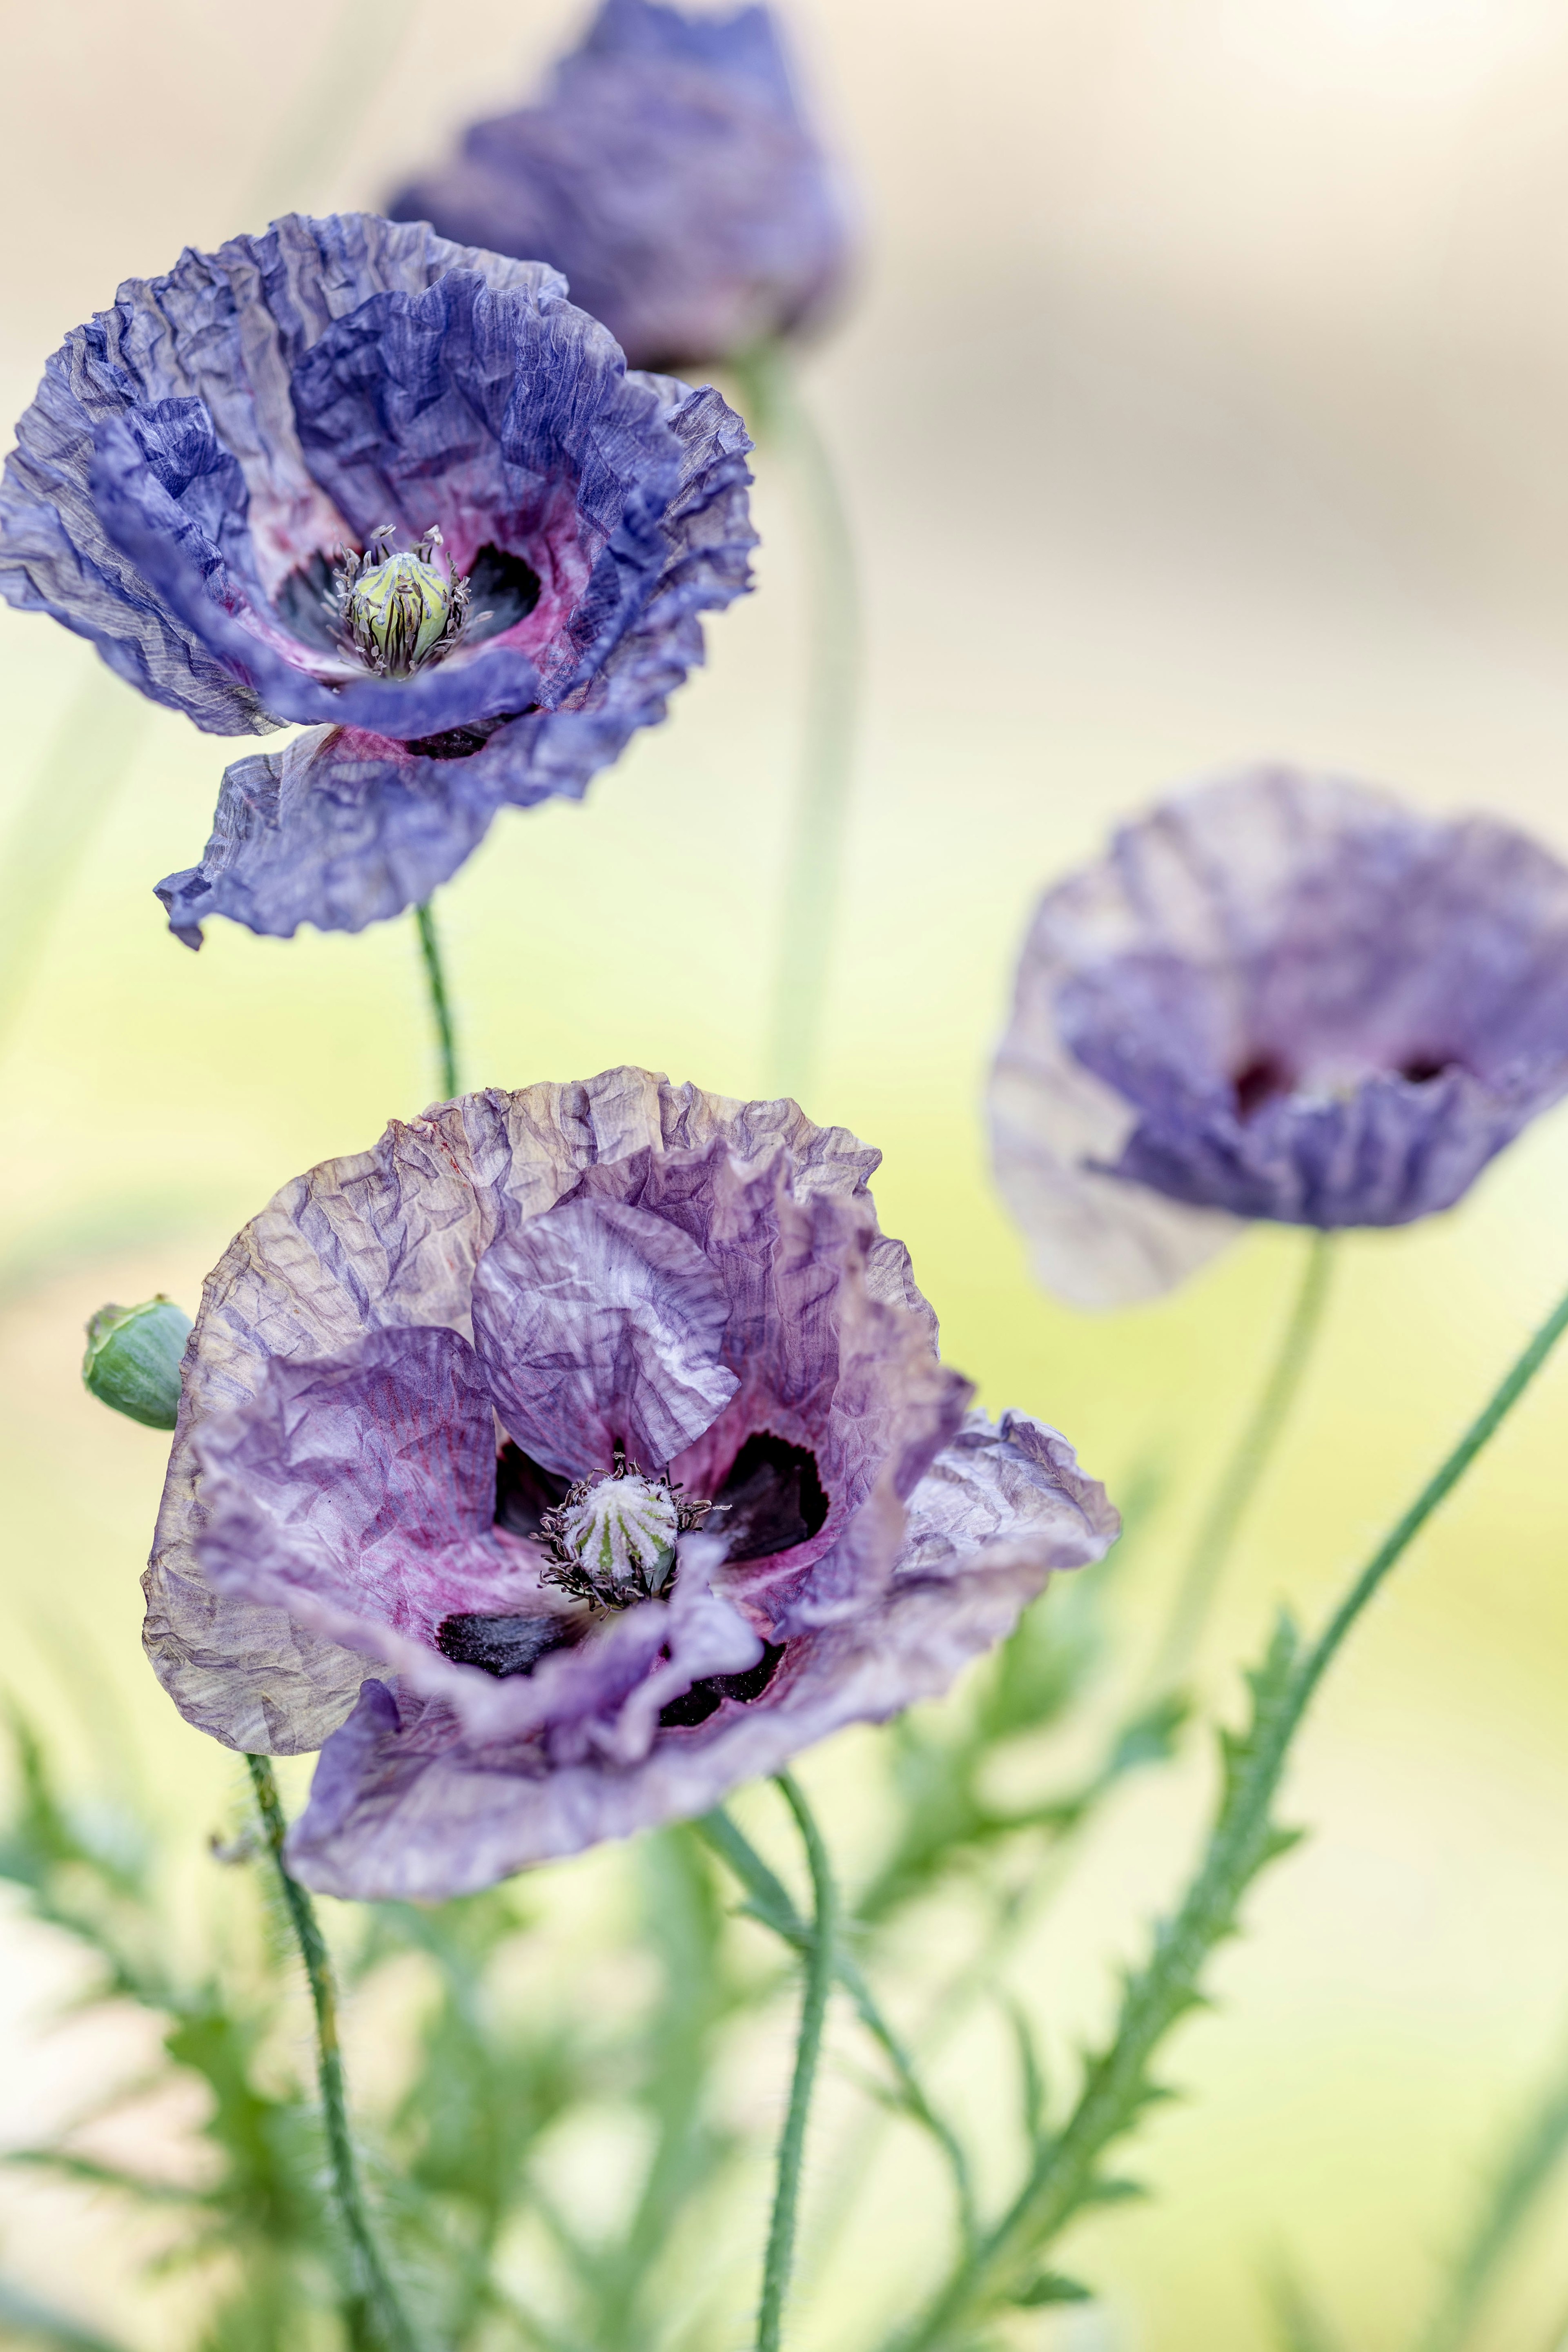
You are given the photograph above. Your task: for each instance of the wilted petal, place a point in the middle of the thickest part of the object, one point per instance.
(670, 174)
(1281, 996)
(405, 1804)
(600, 1327)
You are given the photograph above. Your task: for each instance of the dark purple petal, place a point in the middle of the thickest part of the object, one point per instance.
(196, 457)
(670, 174)
(599, 1326)
(343, 829)
(1281, 996)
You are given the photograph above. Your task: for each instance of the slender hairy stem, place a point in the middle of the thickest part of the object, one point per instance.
(377, 2298)
(1512, 2196)
(440, 1005)
(819, 1974)
(1065, 2176)
(769, 1904)
(1254, 1450)
(814, 862)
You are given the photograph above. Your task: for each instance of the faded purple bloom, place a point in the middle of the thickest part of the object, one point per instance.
(671, 175)
(404, 491)
(452, 1411)
(1280, 996)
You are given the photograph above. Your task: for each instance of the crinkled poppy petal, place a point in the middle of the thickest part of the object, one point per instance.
(406, 1803)
(197, 457)
(670, 174)
(339, 829)
(358, 1493)
(599, 1328)
(221, 333)
(1280, 996)
(391, 1237)
(343, 829)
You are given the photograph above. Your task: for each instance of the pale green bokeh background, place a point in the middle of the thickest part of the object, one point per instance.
(1202, 397)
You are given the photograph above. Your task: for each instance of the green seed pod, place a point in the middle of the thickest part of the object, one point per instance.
(132, 1359)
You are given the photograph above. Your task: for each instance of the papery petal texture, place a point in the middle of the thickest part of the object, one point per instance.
(198, 456)
(670, 174)
(401, 1364)
(1281, 996)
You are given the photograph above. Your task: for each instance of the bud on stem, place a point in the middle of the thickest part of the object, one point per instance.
(132, 1359)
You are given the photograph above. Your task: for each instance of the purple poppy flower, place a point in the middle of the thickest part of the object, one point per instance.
(402, 490)
(671, 175)
(1281, 996)
(569, 1458)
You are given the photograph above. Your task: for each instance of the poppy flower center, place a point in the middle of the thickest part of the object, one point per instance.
(611, 1540)
(400, 609)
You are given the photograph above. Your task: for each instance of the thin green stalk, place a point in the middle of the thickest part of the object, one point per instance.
(813, 859)
(376, 2297)
(1514, 2193)
(769, 1904)
(440, 1005)
(1064, 2175)
(1244, 1472)
(819, 1975)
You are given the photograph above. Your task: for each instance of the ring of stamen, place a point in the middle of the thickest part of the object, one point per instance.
(612, 1538)
(395, 609)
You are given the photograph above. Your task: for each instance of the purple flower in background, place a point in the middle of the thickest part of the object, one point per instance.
(1280, 996)
(567, 1459)
(402, 490)
(670, 174)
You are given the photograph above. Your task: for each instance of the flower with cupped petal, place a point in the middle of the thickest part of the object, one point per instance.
(670, 174)
(398, 490)
(569, 1458)
(1280, 996)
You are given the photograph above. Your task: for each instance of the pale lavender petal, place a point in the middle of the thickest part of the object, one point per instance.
(600, 1327)
(1281, 996)
(386, 1238)
(404, 1803)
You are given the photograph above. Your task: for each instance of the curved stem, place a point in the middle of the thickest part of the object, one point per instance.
(1065, 2176)
(440, 1005)
(814, 858)
(1244, 1472)
(769, 1904)
(819, 1974)
(377, 2298)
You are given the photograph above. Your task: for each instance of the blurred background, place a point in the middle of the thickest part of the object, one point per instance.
(1202, 397)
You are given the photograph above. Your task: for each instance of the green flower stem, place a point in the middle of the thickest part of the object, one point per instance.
(819, 1975)
(769, 1904)
(1064, 2176)
(1244, 1472)
(814, 867)
(1515, 2192)
(440, 1005)
(378, 2299)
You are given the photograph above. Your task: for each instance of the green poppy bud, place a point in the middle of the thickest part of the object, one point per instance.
(132, 1359)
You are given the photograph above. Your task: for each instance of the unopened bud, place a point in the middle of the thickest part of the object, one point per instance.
(132, 1359)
